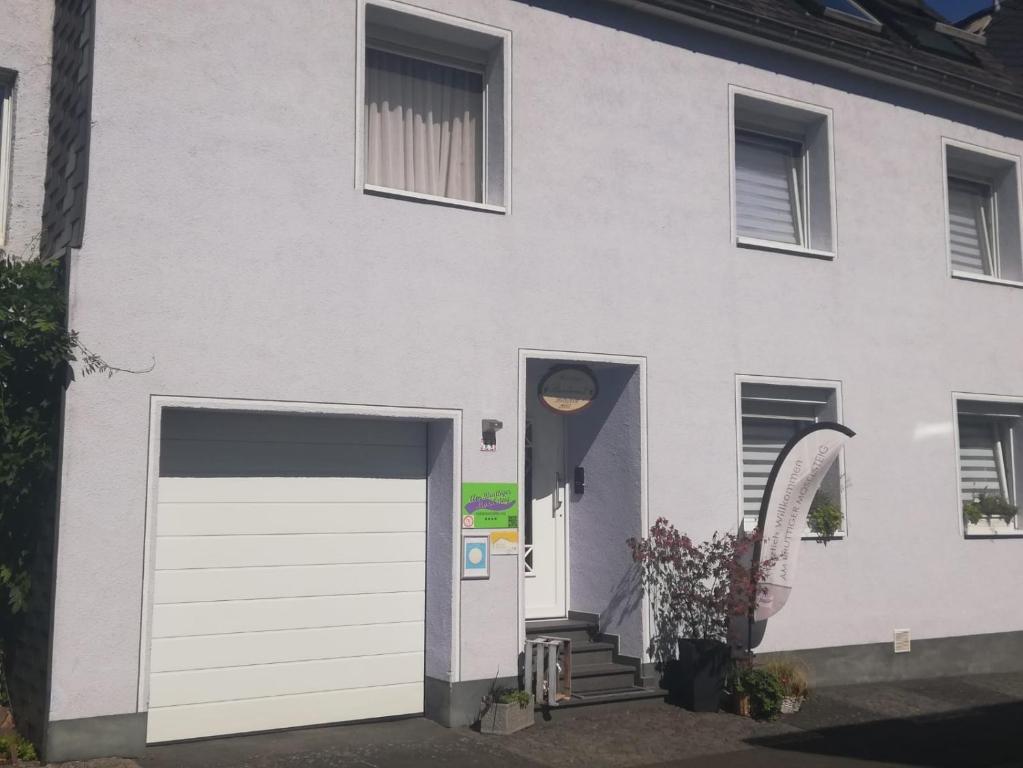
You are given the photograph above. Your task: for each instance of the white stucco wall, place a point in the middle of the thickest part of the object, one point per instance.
(26, 28)
(226, 239)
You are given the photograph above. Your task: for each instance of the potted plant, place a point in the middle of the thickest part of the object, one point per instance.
(824, 517)
(760, 691)
(795, 686)
(695, 590)
(740, 696)
(506, 711)
(989, 506)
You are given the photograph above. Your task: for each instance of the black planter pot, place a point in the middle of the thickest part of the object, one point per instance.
(697, 679)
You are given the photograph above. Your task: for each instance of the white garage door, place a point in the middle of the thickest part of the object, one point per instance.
(289, 572)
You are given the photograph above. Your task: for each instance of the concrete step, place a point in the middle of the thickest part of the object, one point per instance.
(611, 696)
(586, 654)
(591, 678)
(572, 629)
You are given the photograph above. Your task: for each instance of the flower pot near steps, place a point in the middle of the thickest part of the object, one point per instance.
(502, 719)
(791, 704)
(699, 677)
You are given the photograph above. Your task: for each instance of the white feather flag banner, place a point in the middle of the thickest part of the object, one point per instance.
(795, 478)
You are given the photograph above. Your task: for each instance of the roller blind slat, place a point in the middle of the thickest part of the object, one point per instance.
(970, 234)
(978, 459)
(766, 197)
(762, 441)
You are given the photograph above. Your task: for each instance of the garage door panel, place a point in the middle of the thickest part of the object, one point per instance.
(218, 618)
(289, 572)
(213, 519)
(232, 458)
(308, 549)
(209, 685)
(213, 426)
(291, 490)
(217, 651)
(198, 720)
(287, 581)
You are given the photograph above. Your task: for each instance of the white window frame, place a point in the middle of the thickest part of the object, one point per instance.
(996, 254)
(363, 42)
(828, 116)
(785, 381)
(984, 530)
(6, 142)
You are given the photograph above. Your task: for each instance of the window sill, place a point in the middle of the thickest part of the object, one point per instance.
(985, 279)
(770, 245)
(372, 189)
(810, 536)
(992, 532)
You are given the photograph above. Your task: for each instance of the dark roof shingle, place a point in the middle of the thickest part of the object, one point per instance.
(1005, 35)
(909, 48)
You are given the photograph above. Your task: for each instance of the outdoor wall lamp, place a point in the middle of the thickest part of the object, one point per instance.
(490, 428)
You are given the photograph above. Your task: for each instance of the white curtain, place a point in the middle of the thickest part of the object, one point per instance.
(424, 127)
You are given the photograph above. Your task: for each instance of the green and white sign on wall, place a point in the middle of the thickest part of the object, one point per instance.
(490, 505)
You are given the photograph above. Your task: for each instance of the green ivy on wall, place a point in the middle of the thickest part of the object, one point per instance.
(35, 349)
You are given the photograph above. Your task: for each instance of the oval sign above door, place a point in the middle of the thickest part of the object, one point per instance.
(568, 389)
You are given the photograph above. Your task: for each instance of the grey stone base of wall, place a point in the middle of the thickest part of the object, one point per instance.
(458, 704)
(450, 704)
(455, 704)
(938, 657)
(108, 736)
(877, 663)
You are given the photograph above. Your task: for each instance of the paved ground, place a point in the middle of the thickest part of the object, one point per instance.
(954, 722)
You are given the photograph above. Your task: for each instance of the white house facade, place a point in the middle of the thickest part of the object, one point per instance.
(340, 248)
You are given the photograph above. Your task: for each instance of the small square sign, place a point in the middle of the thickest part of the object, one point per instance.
(475, 557)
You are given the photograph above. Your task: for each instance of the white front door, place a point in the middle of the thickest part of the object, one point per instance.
(545, 514)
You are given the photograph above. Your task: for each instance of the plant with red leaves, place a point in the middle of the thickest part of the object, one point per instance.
(696, 589)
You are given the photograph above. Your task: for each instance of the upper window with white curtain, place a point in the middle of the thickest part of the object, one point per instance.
(983, 214)
(424, 126)
(434, 107)
(770, 414)
(990, 465)
(783, 194)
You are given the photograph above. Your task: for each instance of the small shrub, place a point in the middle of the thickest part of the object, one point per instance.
(988, 506)
(764, 691)
(824, 518)
(792, 675)
(13, 743)
(514, 697)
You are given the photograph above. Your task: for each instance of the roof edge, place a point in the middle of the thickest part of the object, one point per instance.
(809, 44)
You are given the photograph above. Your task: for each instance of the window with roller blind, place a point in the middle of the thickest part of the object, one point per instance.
(989, 443)
(783, 195)
(770, 412)
(983, 212)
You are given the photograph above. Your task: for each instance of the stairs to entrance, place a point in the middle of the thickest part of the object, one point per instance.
(599, 674)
